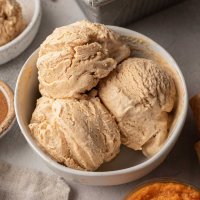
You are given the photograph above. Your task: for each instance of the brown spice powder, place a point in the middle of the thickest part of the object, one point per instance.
(3, 107)
(166, 191)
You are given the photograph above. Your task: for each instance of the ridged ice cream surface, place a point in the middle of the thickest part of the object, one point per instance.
(96, 96)
(75, 57)
(80, 134)
(11, 20)
(140, 95)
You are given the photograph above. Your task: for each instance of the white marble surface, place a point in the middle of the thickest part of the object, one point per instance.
(178, 30)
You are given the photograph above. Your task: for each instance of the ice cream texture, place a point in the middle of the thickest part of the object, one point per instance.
(95, 97)
(11, 20)
(75, 57)
(140, 95)
(80, 134)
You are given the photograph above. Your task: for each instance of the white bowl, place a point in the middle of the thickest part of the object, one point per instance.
(32, 13)
(129, 165)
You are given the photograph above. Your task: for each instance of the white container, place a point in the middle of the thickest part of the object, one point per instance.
(32, 14)
(115, 172)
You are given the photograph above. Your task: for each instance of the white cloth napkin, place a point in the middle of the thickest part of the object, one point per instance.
(24, 184)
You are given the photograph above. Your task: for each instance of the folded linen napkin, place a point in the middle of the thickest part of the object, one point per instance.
(17, 183)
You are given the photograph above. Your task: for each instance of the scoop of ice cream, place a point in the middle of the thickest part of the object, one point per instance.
(11, 20)
(45, 130)
(140, 94)
(78, 133)
(74, 58)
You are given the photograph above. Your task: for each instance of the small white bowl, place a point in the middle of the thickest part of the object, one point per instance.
(129, 165)
(32, 14)
(9, 120)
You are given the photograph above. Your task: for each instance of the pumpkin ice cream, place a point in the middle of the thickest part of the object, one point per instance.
(74, 58)
(81, 126)
(11, 20)
(80, 134)
(140, 95)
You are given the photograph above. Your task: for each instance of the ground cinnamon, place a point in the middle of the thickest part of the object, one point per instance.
(165, 191)
(3, 107)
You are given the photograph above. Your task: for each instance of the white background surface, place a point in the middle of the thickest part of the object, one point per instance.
(177, 29)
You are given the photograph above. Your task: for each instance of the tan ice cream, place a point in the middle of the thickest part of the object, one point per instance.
(140, 95)
(11, 20)
(74, 58)
(78, 133)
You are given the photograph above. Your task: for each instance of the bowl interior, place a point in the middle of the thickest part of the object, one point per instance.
(28, 9)
(27, 93)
